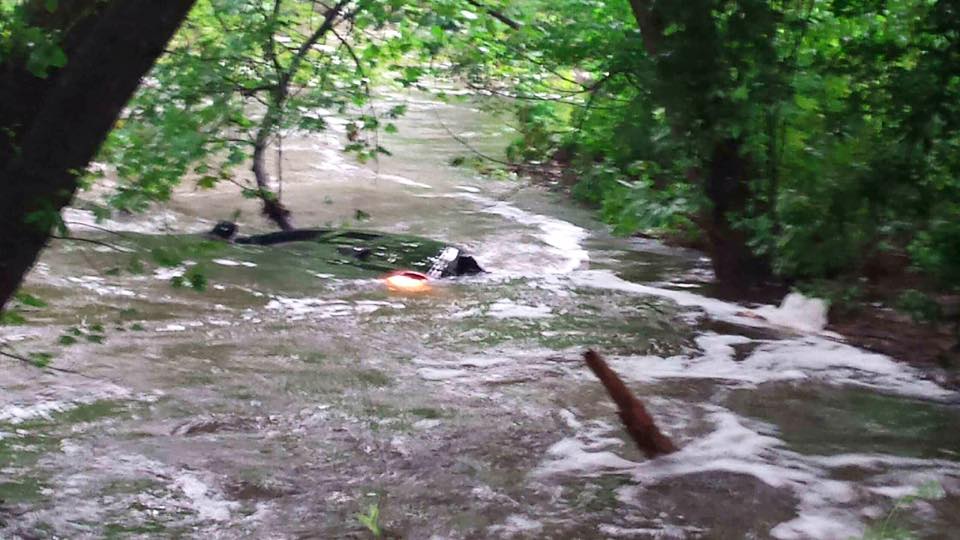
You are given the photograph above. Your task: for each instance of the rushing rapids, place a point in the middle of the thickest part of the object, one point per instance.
(292, 394)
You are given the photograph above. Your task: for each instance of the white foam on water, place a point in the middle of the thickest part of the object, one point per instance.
(716, 362)
(168, 273)
(172, 328)
(824, 524)
(404, 180)
(483, 362)
(839, 363)
(733, 447)
(570, 419)
(810, 357)
(441, 374)
(204, 500)
(563, 238)
(16, 414)
(505, 309)
(817, 356)
(606, 279)
(188, 491)
(147, 223)
(300, 308)
(895, 492)
(827, 508)
(67, 398)
(97, 284)
(588, 452)
(516, 524)
(325, 149)
(662, 531)
(230, 262)
(427, 423)
(799, 312)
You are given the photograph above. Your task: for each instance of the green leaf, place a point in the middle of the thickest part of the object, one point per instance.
(43, 58)
(11, 317)
(30, 300)
(51, 5)
(931, 490)
(166, 257)
(135, 266)
(67, 340)
(371, 520)
(41, 359)
(196, 278)
(207, 182)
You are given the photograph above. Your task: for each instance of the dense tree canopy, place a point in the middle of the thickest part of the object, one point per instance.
(824, 133)
(807, 140)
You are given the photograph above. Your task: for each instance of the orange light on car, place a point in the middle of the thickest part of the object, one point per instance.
(407, 281)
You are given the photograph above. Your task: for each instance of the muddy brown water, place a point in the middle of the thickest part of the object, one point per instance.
(292, 397)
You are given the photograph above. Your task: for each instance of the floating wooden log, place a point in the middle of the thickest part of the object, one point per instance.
(640, 425)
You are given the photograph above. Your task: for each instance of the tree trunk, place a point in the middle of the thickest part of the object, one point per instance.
(727, 184)
(650, 25)
(727, 187)
(52, 127)
(273, 209)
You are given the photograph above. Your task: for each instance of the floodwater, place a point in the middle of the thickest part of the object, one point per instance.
(293, 399)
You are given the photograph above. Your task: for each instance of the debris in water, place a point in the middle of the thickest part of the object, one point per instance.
(639, 423)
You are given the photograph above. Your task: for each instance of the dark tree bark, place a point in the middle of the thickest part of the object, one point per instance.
(273, 209)
(726, 183)
(640, 425)
(51, 127)
(651, 28)
(728, 189)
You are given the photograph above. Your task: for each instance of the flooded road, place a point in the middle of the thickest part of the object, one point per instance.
(293, 400)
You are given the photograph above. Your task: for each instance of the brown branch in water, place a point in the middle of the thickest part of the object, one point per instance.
(640, 425)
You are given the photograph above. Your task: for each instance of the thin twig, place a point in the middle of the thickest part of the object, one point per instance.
(469, 147)
(33, 364)
(90, 241)
(97, 227)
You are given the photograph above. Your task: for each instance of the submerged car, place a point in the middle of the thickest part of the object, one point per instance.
(369, 250)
